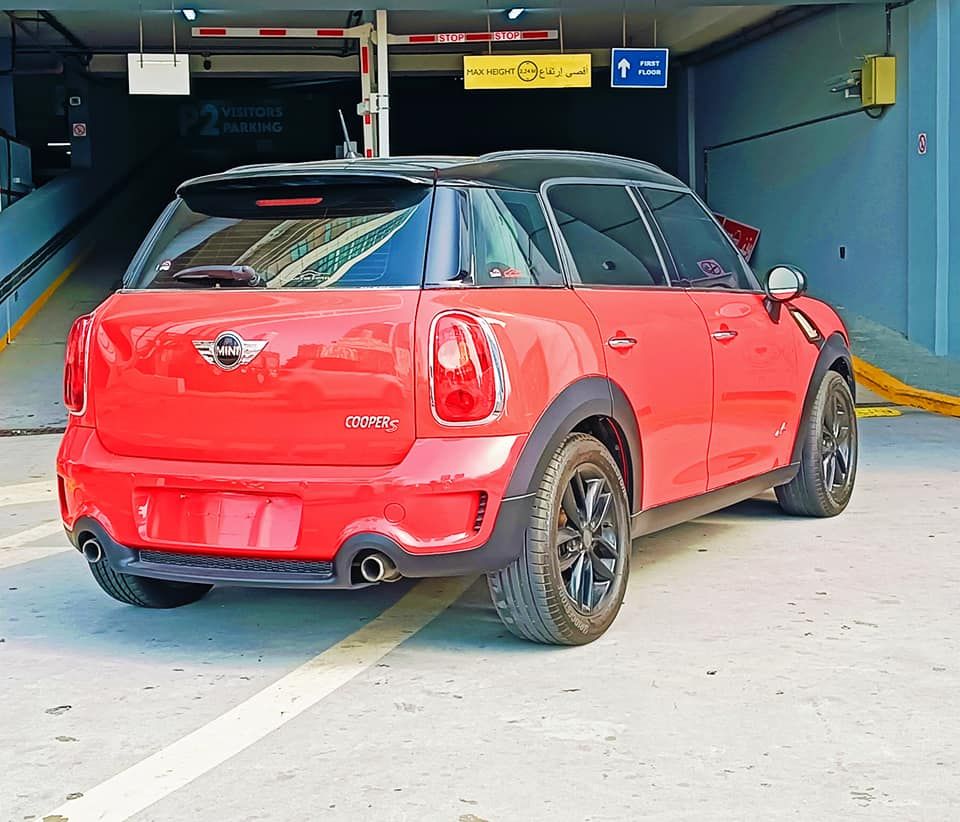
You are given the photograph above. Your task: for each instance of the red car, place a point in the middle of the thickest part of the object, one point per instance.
(337, 374)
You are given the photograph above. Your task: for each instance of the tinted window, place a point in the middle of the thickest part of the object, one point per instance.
(351, 237)
(606, 235)
(491, 237)
(703, 253)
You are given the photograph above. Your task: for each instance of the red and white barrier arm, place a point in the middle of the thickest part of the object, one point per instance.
(453, 37)
(270, 33)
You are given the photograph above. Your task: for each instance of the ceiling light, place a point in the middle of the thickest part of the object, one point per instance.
(514, 14)
(189, 14)
(58, 144)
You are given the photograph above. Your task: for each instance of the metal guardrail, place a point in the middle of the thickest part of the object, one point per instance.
(8, 194)
(32, 264)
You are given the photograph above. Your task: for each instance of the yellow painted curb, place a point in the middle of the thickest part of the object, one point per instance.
(867, 411)
(893, 390)
(41, 301)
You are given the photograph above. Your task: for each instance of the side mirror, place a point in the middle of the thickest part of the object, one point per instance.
(785, 283)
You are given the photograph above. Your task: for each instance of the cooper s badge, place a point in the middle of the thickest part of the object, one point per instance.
(229, 350)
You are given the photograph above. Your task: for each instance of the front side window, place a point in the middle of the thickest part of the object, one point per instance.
(491, 237)
(315, 237)
(703, 254)
(606, 235)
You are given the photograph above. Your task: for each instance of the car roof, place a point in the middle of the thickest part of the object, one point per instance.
(525, 170)
(530, 169)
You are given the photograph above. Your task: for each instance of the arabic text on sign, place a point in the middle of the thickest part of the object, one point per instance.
(521, 71)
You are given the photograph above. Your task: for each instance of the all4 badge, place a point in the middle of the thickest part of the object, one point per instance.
(711, 268)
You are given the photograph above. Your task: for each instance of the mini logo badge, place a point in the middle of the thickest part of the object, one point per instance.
(229, 350)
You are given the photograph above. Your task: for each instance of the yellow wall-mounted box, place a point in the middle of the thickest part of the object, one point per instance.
(878, 82)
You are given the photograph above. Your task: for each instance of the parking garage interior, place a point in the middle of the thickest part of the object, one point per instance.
(763, 116)
(758, 117)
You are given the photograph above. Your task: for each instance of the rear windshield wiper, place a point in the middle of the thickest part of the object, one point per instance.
(242, 275)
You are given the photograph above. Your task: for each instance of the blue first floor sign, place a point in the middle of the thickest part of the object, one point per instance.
(639, 68)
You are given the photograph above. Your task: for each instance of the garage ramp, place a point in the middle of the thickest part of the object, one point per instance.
(31, 363)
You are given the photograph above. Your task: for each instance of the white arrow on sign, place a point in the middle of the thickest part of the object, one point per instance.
(624, 66)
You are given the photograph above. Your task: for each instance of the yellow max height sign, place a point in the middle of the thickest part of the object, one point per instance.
(527, 71)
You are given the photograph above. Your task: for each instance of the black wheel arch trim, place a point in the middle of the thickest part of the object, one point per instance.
(833, 349)
(585, 398)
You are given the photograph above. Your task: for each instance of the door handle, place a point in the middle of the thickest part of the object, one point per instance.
(727, 334)
(621, 343)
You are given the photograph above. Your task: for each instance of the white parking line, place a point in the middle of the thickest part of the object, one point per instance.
(28, 492)
(160, 774)
(14, 549)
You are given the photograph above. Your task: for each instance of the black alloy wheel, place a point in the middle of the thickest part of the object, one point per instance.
(568, 583)
(588, 543)
(828, 461)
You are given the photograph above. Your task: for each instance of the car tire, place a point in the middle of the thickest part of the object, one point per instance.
(146, 592)
(828, 464)
(565, 589)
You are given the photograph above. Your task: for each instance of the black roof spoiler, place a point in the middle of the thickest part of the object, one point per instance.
(252, 177)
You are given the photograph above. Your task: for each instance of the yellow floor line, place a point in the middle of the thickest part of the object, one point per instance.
(895, 391)
(26, 493)
(41, 301)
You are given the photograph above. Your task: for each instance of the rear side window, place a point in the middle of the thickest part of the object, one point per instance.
(606, 235)
(294, 237)
(491, 237)
(704, 256)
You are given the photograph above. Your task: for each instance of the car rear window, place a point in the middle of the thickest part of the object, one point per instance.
(341, 236)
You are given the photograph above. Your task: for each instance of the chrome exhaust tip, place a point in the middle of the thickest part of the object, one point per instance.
(92, 551)
(378, 568)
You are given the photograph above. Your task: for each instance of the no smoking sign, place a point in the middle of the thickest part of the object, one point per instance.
(79, 129)
(922, 143)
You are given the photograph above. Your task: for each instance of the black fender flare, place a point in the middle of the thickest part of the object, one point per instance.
(834, 348)
(585, 398)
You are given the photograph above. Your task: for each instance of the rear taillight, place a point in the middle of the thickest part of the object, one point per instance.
(467, 381)
(75, 367)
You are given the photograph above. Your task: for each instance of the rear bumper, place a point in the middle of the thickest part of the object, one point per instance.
(504, 546)
(440, 512)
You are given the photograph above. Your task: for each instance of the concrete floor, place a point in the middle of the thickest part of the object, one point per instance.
(763, 667)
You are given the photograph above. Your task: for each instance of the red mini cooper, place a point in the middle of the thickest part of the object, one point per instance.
(337, 374)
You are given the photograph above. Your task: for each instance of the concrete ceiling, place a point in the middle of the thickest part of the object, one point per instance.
(459, 6)
(105, 31)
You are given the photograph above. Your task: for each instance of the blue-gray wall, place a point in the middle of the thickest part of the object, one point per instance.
(849, 181)
(7, 118)
(120, 140)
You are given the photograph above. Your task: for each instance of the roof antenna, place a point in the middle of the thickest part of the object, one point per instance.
(349, 147)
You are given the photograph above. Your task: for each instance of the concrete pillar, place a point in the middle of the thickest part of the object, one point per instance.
(7, 117)
(933, 203)
(918, 87)
(687, 163)
(952, 119)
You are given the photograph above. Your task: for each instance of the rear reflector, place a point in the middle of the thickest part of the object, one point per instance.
(467, 381)
(75, 365)
(290, 201)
